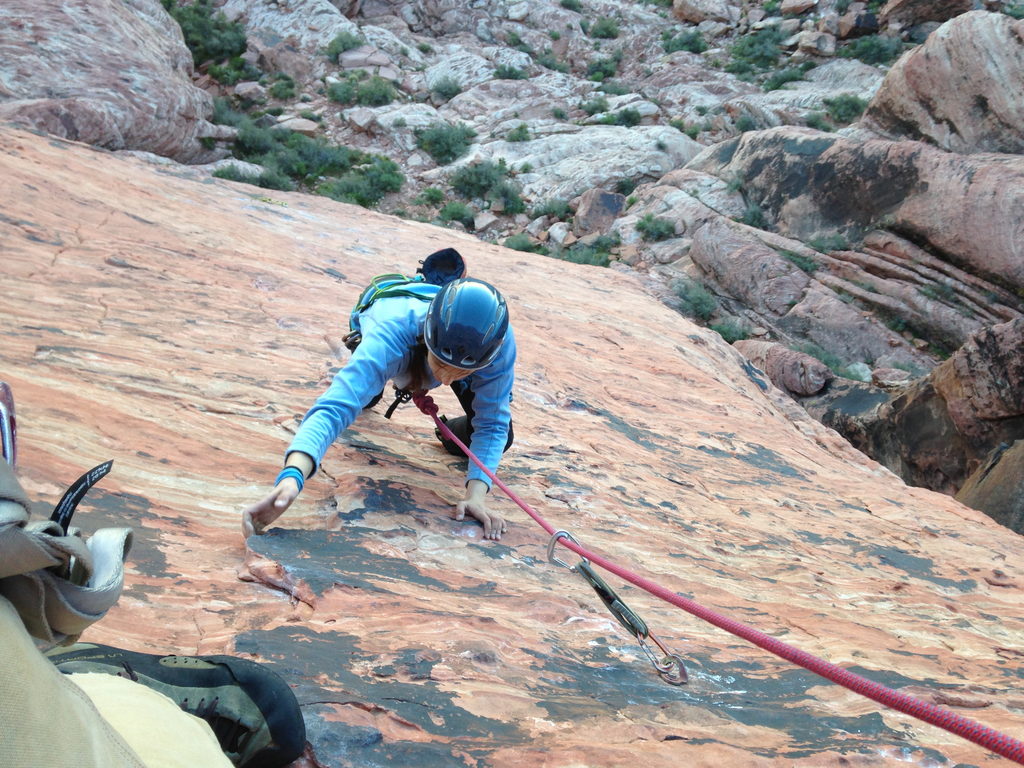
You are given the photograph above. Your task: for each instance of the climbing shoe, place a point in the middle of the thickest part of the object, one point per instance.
(252, 712)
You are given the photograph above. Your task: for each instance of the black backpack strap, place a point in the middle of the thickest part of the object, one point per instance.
(401, 396)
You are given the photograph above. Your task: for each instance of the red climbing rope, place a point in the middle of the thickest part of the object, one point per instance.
(964, 727)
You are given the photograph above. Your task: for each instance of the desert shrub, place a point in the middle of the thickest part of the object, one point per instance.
(506, 72)
(804, 263)
(430, 196)
(232, 71)
(447, 88)
(745, 123)
(208, 34)
(605, 28)
(268, 178)
(375, 92)
(846, 107)
(695, 300)
(343, 41)
(522, 242)
(753, 216)
(558, 113)
(572, 5)
(595, 105)
(772, 6)
(783, 76)
(555, 207)
(817, 121)
(627, 117)
(758, 51)
(520, 133)
(445, 143)
(613, 88)
(460, 212)
(687, 40)
(652, 228)
(547, 59)
(829, 243)
(731, 329)
(477, 180)
(625, 186)
(874, 49)
(505, 196)
(1015, 10)
(283, 87)
(225, 114)
(367, 184)
(604, 69)
(343, 92)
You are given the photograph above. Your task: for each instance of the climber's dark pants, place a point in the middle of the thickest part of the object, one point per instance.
(462, 426)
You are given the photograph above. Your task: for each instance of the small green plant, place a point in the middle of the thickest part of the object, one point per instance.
(447, 88)
(506, 72)
(208, 34)
(804, 263)
(771, 7)
(445, 143)
(874, 49)
(753, 216)
(599, 70)
(846, 107)
(556, 208)
(307, 114)
(477, 180)
(343, 92)
(731, 329)
(268, 179)
(375, 92)
(558, 113)
(653, 229)
(554, 34)
(595, 105)
(783, 76)
(829, 243)
(283, 87)
(745, 123)
(817, 121)
(1014, 10)
(833, 361)
(613, 88)
(695, 300)
(572, 5)
(343, 41)
(625, 186)
(755, 52)
(234, 70)
(627, 117)
(430, 196)
(547, 59)
(368, 185)
(523, 242)
(520, 133)
(688, 40)
(456, 211)
(424, 48)
(605, 28)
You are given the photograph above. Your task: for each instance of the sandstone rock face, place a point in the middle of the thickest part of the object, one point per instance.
(905, 13)
(109, 73)
(596, 211)
(952, 91)
(181, 326)
(997, 486)
(969, 208)
(696, 11)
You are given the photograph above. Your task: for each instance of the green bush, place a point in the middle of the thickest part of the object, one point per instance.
(459, 212)
(504, 196)
(343, 41)
(523, 242)
(625, 186)
(695, 300)
(829, 243)
(603, 69)
(477, 180)
(584, 254)
(430, 196)
(780, 78)
(804, 263)
(225, 114)
(506, 72)
(283, 87)
(208, 35)
(572, 5)
(758, 51)
(846, 107)
(627, 117)
(874, 49)
(1015, 10)
(817, 121)
(595, 105)
(268, 178)
(520, 133)
(613, 88)
(445, 143)
(556, 207)
(343, 92)
(731, 329)
(753, 216)
(558, 113)
(745, 123)
(548, 60)
(652, 228)
(447, 88)
(605, 28)
(375, 92)
(688, 40)
(234, 70)
(367, 184)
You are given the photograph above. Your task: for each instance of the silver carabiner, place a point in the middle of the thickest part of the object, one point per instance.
(551, 549)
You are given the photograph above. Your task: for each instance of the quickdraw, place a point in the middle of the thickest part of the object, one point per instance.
(670, 665)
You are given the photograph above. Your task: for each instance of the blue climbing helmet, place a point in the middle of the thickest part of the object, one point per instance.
(466, 324)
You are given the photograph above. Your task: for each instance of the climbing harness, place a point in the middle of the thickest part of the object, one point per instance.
(973, 731)
(401, 396)
(669, 666)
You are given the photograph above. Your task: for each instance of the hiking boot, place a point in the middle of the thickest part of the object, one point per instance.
(252, 712)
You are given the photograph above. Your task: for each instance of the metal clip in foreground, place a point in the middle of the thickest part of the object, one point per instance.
(670, 667)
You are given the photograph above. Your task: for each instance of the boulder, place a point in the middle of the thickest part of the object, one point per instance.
(905, 13)
(597, 211)
(953, 90)
(109, 73)
(997, 487)
(696, 11)
(793, 372)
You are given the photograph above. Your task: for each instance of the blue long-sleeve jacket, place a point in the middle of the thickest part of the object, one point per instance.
(391, 328)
